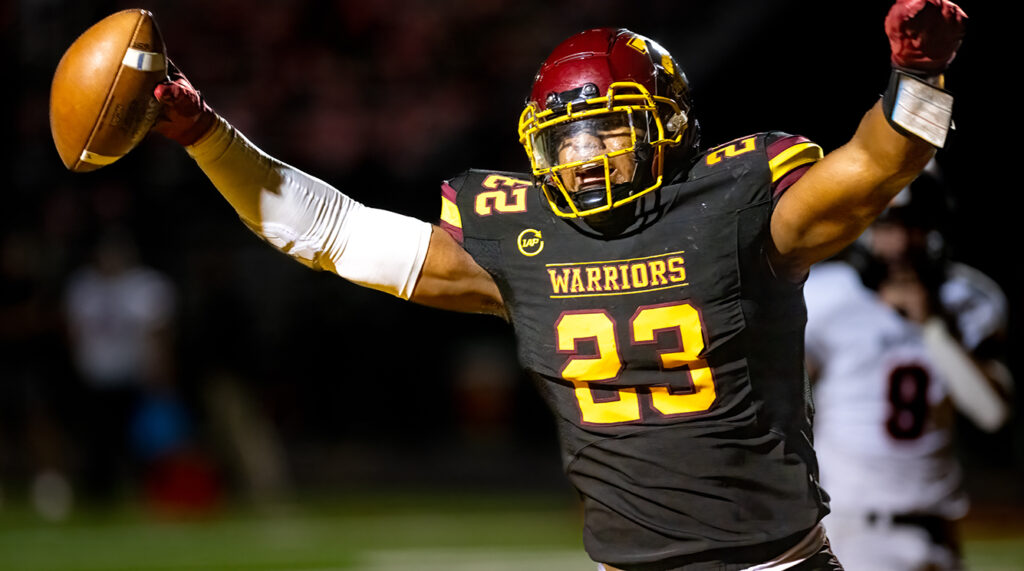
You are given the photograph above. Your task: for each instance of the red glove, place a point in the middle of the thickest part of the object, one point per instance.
(924, 34)
(185, 116)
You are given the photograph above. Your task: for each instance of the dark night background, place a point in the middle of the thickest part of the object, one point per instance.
(384, 100)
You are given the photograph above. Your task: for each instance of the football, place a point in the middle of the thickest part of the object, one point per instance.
(101, 98)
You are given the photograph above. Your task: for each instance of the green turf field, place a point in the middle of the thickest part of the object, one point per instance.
(369, 533)
(376, 533)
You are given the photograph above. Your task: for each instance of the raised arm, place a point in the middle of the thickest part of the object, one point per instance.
(838, 197)
(318, 225)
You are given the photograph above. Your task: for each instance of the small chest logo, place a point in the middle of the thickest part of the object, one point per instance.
(530, 242)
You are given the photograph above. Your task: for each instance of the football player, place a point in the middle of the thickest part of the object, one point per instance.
(890, 363)
(905, 258)
(883, 429)
(655, 288)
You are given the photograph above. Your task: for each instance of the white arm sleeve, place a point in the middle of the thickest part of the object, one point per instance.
(969, 389)
(309, 219)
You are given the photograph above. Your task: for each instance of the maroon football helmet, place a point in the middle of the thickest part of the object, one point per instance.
(604, 108)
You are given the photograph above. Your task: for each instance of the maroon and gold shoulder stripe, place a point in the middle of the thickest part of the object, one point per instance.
(451, 220)
(789, 158)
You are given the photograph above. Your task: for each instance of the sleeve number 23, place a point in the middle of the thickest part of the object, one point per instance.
(598, 327)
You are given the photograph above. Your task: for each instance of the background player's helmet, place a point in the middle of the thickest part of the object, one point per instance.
(909, 233)
(596, 81)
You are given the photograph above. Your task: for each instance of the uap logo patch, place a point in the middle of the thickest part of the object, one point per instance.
(530, 242)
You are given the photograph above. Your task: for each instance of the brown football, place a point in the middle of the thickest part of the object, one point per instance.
(101, 98)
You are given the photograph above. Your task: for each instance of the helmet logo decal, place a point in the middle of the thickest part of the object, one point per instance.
(666, 62)
(530, 242)
(638, 44)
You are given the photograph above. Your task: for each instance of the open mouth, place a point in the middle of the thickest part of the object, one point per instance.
(589, 178)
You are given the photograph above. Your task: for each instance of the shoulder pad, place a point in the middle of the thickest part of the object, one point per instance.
(787, 152)
(735, 147)
(474, 180)
(723, 154)
(789, 156)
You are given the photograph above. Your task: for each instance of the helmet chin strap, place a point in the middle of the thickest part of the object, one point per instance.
(595, 198)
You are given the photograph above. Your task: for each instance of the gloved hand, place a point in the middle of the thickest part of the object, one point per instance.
(924, 34)
(185, 116)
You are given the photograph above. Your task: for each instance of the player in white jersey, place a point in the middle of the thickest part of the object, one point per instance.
(883, 430)
(963, 311)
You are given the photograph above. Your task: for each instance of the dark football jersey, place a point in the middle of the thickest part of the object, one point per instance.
(671, 356)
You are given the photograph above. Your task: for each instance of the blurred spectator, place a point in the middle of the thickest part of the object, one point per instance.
(120, 317)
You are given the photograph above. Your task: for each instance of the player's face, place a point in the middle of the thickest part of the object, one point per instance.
(894, 242)
(889, 242)
(588, 145)
(584, 140)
